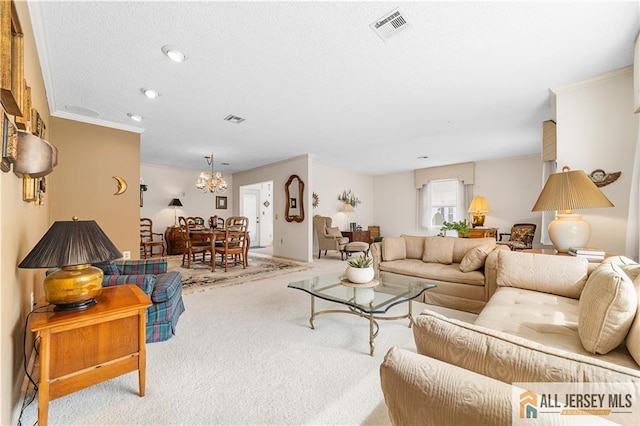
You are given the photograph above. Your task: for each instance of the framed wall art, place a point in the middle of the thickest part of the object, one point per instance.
(9, 143)
(221, 202)
(29, 189)
(12, 61)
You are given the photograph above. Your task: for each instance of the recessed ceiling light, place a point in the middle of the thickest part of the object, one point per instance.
(224, 164)
(150, 93)
(233, 119)
(423, 157)
(134, 117)
(174, 54)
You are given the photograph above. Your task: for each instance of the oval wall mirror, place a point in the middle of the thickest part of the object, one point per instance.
(294, 188)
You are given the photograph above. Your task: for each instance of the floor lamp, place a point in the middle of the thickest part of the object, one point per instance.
(564, 192)
(175, 203)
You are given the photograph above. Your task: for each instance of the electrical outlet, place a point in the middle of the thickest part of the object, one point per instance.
(126, 255)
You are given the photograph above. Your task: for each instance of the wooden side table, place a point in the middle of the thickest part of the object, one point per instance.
(554, 252)
(363, 236)
(483, 232)
(175, 242)
(79, 349)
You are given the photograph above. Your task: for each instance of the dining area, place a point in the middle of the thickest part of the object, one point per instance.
(219, 242)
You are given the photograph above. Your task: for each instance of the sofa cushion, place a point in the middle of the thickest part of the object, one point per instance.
(438, 250)
(108, 268)
(561, 275)
(511, 358)
(474, 259)
(415, 246)
(433, 271)
(633, 337)
(462, 246)
(608, 305)
(394, 248)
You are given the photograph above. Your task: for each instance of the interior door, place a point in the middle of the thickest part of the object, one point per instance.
(250, 209)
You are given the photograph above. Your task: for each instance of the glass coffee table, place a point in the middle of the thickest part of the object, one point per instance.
(369, 300)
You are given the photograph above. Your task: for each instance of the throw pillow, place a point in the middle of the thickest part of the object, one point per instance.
(607, 306)
(334, 232)
(633, 337)
(474, 259)
(393, 248)
(438, 250)
(108, 267)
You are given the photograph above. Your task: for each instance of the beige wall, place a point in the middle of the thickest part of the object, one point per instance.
(90, 156)
(21, 226)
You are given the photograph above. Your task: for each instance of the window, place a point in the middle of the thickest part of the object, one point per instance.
(442, 201)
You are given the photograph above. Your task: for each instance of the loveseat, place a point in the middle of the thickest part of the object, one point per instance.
(553, 319)
(462, 268)
(163, 288)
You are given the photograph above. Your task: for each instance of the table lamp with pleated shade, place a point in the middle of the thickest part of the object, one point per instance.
(564, 192)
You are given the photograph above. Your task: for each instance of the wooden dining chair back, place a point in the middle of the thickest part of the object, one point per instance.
(233, 247)
(190, 249)
(216, 222)
(149, 239)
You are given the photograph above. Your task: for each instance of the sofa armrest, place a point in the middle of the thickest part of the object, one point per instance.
(419, 390)
(509, 358)
(491, 271)
(146, 282)
(166, 286)
(376, 254)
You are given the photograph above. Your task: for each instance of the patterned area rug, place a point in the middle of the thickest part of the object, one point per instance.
(199, 276)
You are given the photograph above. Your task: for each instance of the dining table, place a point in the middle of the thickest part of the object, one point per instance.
(213, 235)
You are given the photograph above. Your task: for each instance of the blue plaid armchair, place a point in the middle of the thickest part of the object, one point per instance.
(163, 288)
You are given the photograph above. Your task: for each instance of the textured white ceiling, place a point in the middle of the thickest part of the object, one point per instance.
(467, 81)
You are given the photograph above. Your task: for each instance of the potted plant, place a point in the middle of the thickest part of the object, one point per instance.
(360, 270)
(455, 229)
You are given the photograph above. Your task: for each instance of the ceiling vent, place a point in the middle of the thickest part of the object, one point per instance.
(390, 24)
(234, 119)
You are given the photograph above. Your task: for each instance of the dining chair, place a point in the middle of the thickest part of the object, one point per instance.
(191, 249)
(147, 238)
(233, 244)
(216, 222)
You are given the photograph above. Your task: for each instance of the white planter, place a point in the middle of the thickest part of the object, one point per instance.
(451, 233)
(360, 275)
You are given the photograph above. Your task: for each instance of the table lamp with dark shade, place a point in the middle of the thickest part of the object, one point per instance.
(565, 191)
(72, 246)
(175, 203)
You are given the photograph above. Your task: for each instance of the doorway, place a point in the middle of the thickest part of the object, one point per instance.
(256, 203)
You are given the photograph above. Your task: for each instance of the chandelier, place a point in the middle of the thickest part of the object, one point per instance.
(211, 181)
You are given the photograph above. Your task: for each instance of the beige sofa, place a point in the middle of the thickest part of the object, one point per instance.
(462, 268)
(552, 319)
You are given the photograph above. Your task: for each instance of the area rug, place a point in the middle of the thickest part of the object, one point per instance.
(200, 277)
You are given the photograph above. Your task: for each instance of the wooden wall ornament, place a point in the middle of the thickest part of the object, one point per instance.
(602, 178)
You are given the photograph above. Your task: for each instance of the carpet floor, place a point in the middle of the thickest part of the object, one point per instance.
(245, 355)
(260, 266)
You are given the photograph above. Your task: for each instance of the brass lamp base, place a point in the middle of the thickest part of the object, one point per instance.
(478, 219)
(73, 287)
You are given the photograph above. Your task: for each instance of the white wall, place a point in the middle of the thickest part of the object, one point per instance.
(290, 239)
(165, 183)
(596, 129)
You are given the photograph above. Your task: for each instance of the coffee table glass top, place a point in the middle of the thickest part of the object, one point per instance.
(390, 291)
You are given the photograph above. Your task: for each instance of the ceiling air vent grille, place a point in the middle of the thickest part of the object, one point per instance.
(390, 24)
(234, 119)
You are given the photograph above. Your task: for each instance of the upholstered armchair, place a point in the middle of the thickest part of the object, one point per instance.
(329, 238)
(520, 237)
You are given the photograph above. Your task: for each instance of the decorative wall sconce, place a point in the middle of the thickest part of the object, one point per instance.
(348, 197)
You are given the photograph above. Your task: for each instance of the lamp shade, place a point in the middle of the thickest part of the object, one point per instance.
(564, 192)
(175, 203)
(69, 243)
(570, 190)
(478, 204)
